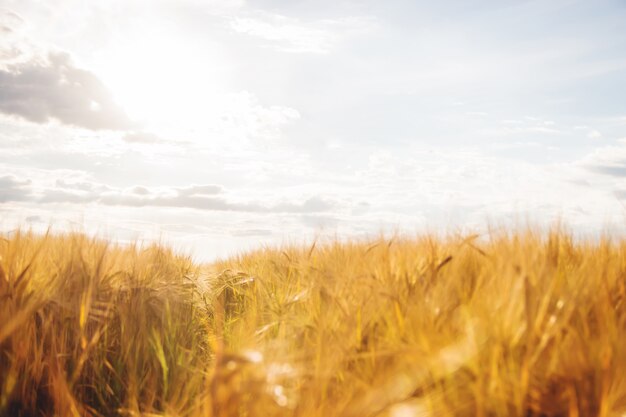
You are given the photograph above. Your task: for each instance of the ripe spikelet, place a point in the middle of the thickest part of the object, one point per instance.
(513, 324)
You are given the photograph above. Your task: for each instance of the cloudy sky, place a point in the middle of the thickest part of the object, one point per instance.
(219, 125)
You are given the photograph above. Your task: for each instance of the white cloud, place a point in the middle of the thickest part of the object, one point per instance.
(12, 42)
(290, 34)
(241, 116)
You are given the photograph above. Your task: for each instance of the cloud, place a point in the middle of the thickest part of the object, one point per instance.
(140, 190)
(207, 197)
(53, 88)
(200, 190)
(145, 138)
(241, 115)
(81, 186)
(614, 170)
(193, 201)
(319, 221)
(142, 137)
(251, 232)
(14, 190)
(311, 205)
(606, 160)
(63, 196)
(13, 46)
(293, 35)
(10, 22)
(203, 198)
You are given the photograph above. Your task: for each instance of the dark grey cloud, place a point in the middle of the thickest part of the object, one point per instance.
(14, 190)
(41, 90)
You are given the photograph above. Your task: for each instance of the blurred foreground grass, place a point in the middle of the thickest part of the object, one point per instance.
(512, 325)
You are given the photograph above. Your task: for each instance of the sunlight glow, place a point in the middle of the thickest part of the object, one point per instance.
(162, 81)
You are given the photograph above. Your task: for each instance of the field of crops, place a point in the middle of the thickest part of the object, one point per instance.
(513, 324)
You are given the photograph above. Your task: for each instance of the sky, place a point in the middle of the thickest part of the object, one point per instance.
(218, 126)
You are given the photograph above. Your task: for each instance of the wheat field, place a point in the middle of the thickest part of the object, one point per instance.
(511, 324)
